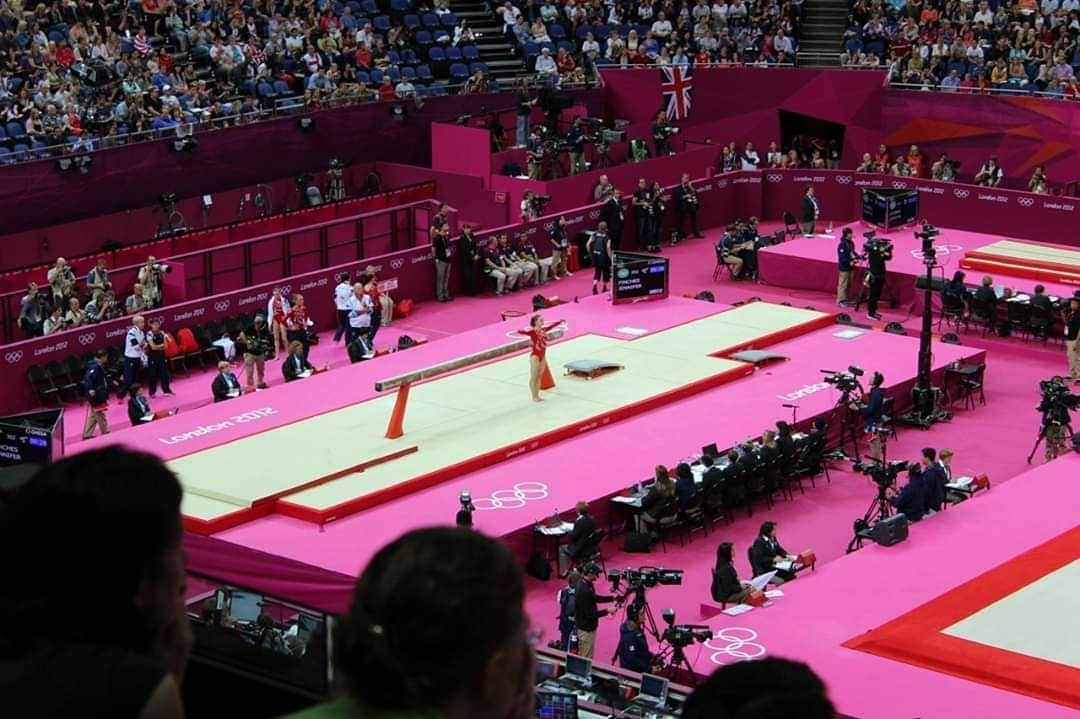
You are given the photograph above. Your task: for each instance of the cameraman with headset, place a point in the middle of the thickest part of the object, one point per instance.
(878, 252)
(661, 131)
(871, 411)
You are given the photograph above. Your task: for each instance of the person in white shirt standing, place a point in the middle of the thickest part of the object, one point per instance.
(749, 158)
(343, 292)
(360, 308)
(134, 354)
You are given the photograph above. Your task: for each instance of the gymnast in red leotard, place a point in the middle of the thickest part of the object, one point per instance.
(537, 332)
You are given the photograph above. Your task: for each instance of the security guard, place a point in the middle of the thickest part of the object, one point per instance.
(633, 650)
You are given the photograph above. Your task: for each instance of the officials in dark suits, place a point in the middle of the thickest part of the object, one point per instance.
(225, 385)
(766, 551)
(810, 211)
(934, 479)
(96, 383)
(711, 477)
(471, 261)
(911, 500)
(138, 407)
(295, 366)
(613, 214)
(584, 527)
(726, 586)
(686, 206)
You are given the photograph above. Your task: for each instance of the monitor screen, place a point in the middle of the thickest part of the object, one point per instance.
(553, 705)
(654, 687)
(245, 606)
(639, 277)
(578, 666)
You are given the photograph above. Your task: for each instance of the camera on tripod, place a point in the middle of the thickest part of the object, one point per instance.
(844, 381)
(877, 245)
(927, 235)
(884, 474)
(539, 202)
(667, 131)
(1057, 400)
(644, 577)
(683, 635)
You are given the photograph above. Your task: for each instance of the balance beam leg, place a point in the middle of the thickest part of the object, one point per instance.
(546, 380)
(396, 426)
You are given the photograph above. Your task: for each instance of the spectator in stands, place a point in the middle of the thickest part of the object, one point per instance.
(109, 520)
(225, 385)
(764, 689)
(32, 312)
(424, 592)
(603, 189)
(137, 302)
(990, 173)
(97, 280)
(774, 157)
(546, 68)
(867, 164)
(404, 89)
(749, 157)
(1039, 183)
(900, 167)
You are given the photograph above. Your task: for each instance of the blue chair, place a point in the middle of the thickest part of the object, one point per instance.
(38, 148)
(566, 45)
(247, 88)
(6, 157)
(408, 73)
(423, 72)
(469, 53)
(16, 131)
(454, 54)
(376, 77)
(21, 152)
(362, 76)
(265, 90)
(430, 20)
(281, 87)
(381, 23)
(459, 72)
(394, 74)
(127, 47)
(355, 7)
(556, 32)
(437, 54)
(580, 33)
(408, 56)
(440, 36)
(56, 36)
(15, 83)
(438, 88)
(411, 21)
(369, 7)
(423, 39)
(393, 57)
(421, 89)
(400, 7)
(549, 45)
(482, 67)
(448, 19)
(3, 134)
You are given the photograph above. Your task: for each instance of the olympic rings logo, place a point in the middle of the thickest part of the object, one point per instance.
(14, 357)
(721, 184)
(397, 263)
(844, 179)
(961, 193)
(87, 338)
(774, 178)
(514, 498)
(594, 215)
(740, 645)
(940, 250)
(286, 290)
(222, 306)
(899, 185)
(1025, 201)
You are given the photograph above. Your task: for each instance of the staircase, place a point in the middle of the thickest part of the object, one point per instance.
(501, 57)
(822, 33)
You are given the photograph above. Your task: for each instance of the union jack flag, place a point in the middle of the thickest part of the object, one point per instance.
(677, 84)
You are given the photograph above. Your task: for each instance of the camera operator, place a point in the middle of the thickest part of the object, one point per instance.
(587, 613)
(686, 205)
(1072, 338)
(656, 214)
(534, 152)
(603, 190)
(560, 248)
(911, 500)
(642, 203)
(613, 214)
(846, 256)
(97, 280)
(633, 651)
(878, 252)
(1055, 405)
(576, 138)
(871, 411)
(32, 312)
(150, 279)
(61, 280)
(661, 131)
(258, 344)
(989, 174)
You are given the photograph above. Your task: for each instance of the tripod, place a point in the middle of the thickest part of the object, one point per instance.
(848, 431)
(335, 185)
(602, 158)
(879, 509)
(1042, 436)
(672, 660)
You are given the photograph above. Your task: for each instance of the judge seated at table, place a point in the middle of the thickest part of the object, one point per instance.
(225, 385)
(295, 366)
(911, 500)
(766, 553)
(138, 408)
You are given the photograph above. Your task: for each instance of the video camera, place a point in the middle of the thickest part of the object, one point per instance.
(665, 131)
(927, 235)
(1057, 401)
(877, 245)
(844, 381)
(644, 577)
(884, 474)
(336, 164)
(683, 635)
(539, 202)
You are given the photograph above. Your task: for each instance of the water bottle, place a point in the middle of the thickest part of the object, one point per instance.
(828, 230)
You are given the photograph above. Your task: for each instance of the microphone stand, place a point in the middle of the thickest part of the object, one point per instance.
(794, 409)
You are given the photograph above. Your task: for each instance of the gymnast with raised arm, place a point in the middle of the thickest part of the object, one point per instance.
(538, 333)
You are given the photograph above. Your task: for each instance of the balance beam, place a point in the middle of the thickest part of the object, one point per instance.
(403, 382)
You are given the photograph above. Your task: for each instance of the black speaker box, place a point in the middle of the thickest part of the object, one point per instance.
(888, 532)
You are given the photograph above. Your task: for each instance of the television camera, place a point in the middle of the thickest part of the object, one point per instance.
(927, 234)
(880, 246)
(884, 475)
(637, 582)
(665, 131)
(845, 382)
(670, 657)
(465, 511)
(1055, 403)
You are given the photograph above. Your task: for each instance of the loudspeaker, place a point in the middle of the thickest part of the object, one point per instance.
(936, 283)
(888, 532)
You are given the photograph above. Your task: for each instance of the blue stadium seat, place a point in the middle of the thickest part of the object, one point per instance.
(355, 7)
(408, 72)
(437, 54)
(423, 38)
(470, 53)
(408, 56)
(247, 88)
(482, 67)
(440, 35)
(438, 88)
(376, 77)
(370, 7)
(459, 72)
(21, 152)
(549, 45)
(421, 89)
(56, 36)
(381, 23)
(556, 32)
(265, 90)
(393, 57)
(400, 7)
(448, 19)
(38, 148)
(423, 72)
(281, 87)
(566, 45)
(6, 157)
(411, 21)
(430, 20)
(3, 134)
(16, 131)
(394, 74)
(362, 76)
(454, 54)
(581, 32)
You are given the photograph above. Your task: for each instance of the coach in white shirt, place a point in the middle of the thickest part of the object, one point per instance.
(750, 159)
(360, 308)
(134, 354)
(342, 294)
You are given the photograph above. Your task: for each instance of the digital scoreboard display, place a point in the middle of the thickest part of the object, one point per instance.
(637, 277)
(889, 209)
(31, 438)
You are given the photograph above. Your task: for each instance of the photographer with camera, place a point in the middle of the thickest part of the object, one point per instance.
(97, 280)
(878, 251)
(1056, 427)
(661, 134)
(642, 202)
(576, 138)
(560, 248)
(587, 613)
(656, 214)
(633, 652)
(258, 344)
(32, 312)
(846, 256)
(534, 152)
(990, 174)
(871, 411)
(151, 281)
(61, 280)
(686, 205)
(944, 170)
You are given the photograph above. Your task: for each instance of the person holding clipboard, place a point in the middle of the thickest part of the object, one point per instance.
(138, 408)
(225, 385)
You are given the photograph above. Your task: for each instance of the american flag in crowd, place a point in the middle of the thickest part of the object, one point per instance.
(677, 84)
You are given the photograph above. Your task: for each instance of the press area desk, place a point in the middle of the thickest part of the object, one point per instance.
(611, 692)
